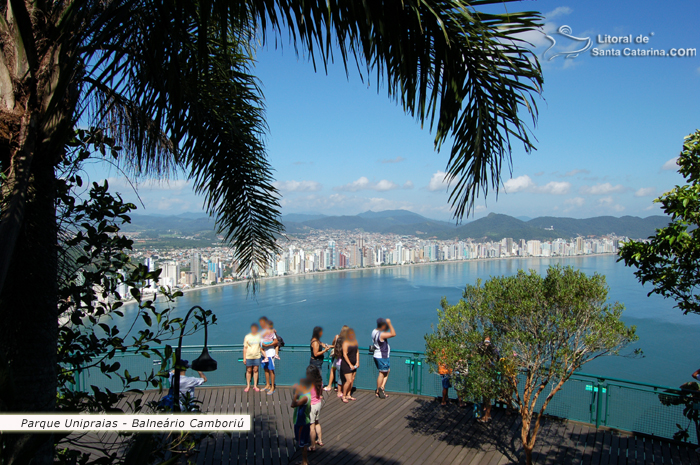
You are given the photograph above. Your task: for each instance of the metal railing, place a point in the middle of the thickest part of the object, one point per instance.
(601, 401)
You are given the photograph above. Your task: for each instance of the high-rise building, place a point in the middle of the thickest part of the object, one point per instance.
(170, 275)
(195, 268)
(509, 246)
(333, 255)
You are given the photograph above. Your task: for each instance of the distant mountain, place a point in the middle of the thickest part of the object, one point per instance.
(493, 227)
(184, 224)
(391, 221)
(523, 218)
(496, 227)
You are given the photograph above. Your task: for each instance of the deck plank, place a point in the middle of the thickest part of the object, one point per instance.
(404, 430)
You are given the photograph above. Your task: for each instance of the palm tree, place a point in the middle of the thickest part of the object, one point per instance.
(172, 82)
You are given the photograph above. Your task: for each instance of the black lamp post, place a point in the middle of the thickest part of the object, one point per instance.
(202, 363)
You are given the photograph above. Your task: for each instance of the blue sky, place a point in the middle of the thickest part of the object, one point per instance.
(608, 131)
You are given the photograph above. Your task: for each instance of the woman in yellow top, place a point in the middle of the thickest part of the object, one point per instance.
(252, 354)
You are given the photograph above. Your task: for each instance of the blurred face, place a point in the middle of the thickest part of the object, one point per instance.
(253, 329)
(351, 335)
(263, 324)
(320, 334)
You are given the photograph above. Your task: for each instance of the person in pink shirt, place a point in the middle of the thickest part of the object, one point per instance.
(313, 374)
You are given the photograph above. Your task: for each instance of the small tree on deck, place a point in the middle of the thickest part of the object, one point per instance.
(545, 327)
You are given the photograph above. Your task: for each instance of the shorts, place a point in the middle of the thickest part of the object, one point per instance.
(316, 363)
(269, 365)
(302, 435)
(446, 381)
(316, 412)
(252, 362)
(383, 364)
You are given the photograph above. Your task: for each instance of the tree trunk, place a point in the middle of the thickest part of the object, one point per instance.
(528, 455)
(28, 307)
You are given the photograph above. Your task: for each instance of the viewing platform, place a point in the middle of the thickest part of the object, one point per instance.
(410, 429)
(594, 419)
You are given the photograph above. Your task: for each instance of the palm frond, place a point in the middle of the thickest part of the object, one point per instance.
(177, 97)
(463, 71)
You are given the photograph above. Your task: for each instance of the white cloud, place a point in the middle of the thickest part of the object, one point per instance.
(365, 184)
(603, 189)
(298, 186)
(573, 203)
(393, 160)
(576, 201)
(525, 184)
(519, 184)
(557, 12)
(173, 203)
(408, 185)
(568, 174)
(672, 164)
(343, 204)
(554, 188)
(645, 192)
(609, 202)
(438, 182)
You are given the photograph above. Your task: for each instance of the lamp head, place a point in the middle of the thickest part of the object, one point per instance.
(204, 362)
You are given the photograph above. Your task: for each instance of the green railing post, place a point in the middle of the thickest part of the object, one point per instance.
(599, 402)
(418, 373)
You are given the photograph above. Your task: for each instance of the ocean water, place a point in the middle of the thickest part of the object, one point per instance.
(410, 296)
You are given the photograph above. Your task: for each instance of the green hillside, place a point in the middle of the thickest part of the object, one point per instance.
(402, 222)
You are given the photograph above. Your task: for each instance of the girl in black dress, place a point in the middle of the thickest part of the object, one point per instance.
(349, 364)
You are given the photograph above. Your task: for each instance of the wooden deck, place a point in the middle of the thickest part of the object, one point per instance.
(413, 430)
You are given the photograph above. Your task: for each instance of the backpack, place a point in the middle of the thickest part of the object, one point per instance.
(280, 340)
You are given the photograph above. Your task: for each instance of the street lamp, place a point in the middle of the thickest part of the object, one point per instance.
(202, 363)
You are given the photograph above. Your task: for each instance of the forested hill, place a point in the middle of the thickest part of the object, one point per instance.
(403, 222)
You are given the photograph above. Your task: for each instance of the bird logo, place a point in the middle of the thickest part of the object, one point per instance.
(566, 31)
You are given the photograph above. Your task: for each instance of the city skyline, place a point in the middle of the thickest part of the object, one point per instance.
(330, 250)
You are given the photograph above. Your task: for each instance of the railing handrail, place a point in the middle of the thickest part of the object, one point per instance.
(590, 376)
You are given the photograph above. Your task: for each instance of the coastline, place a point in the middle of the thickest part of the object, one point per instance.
(386, 267)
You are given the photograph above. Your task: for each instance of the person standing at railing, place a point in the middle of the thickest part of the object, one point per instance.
(270, 346)
(318, 349)
(252, 355)
(336, 358)
(349, 364)
(385, 330)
